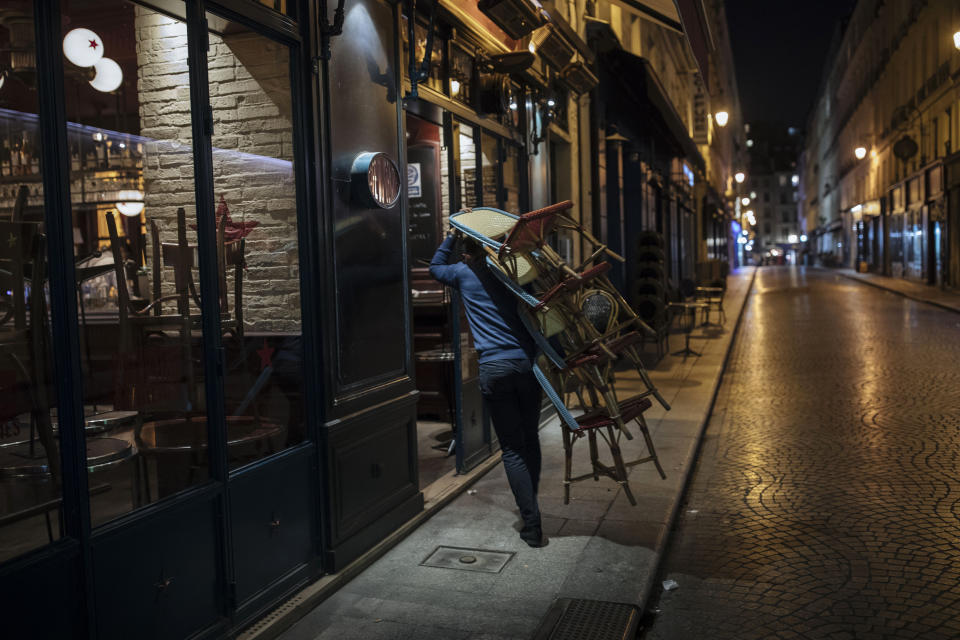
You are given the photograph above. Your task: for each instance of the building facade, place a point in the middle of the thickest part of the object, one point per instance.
(880, 143)
(228, 370)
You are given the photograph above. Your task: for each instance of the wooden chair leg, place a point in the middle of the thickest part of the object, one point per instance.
(621, 469)
(653, 452)
(594, 456)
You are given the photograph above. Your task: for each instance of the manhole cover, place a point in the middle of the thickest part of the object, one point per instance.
(467, 559)
(575, 619)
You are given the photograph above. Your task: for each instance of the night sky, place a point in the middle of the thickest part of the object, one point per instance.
(779, 48)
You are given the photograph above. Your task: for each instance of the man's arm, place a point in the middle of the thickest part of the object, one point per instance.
(439, 269)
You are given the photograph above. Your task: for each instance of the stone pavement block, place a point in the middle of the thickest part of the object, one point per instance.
(607, 570)
(578, 527)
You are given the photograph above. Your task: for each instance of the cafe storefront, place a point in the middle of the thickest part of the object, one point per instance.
(226, 371)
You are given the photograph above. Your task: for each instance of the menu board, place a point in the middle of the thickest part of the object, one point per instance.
(424, 198)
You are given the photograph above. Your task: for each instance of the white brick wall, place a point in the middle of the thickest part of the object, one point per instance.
(253, 153)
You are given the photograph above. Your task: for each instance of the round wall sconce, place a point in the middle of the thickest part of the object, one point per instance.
(130, 203)
(739, 176)
(860, 152)
(375, 179)
(82, 47)
(721, 117)
(109, 76)
(744, 201)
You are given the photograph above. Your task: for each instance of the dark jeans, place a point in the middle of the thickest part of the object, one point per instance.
(512, 397)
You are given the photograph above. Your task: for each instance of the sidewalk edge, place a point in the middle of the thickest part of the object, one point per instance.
(688, 464)
(878, 285)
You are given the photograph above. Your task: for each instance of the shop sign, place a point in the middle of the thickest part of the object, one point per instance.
(413, 180)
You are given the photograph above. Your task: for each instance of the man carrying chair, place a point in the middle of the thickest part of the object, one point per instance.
(510, 391)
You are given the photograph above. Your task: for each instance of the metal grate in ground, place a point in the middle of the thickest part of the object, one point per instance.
(576, 619)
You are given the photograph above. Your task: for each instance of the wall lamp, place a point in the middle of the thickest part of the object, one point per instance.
(721, 117)
(739, 176)
(956, 39)
(860, 152)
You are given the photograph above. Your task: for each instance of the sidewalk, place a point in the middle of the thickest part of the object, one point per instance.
(600, 547)
(930, 294)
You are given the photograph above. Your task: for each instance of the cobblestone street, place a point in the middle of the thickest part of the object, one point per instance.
(825, 500)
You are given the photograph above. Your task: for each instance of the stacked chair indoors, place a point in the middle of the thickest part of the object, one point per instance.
(581, 324)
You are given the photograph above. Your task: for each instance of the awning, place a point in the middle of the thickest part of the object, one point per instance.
(697, 28)
(633, 90)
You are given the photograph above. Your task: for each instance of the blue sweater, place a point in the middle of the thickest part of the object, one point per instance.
(491, 309)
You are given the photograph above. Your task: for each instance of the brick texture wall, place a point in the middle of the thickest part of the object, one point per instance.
(253, 154)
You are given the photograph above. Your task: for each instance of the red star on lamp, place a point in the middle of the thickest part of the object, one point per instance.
(94, 44)
(266, 355)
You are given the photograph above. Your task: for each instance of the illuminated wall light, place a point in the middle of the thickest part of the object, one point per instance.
(956, 39)
(109, 76)
(721, 117)
(792, 238)
(873, 153)
(795, 180)
(131, 203)
(745, 201)
(750, 142)
(803, 237)
(739, 176)
(83, 47)
(532, 47)
(454, 87)
(860, 152)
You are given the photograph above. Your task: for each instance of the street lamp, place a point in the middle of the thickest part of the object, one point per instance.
(956, 39)
(721, 117)
(744, 201)
(860, 152)
(739, 176)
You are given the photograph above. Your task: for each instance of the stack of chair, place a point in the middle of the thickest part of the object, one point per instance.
(581, 324)
(650, 292)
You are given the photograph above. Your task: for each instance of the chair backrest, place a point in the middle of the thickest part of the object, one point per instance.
(531, 230)
(687, 288)
(600, 309)
(21, 244)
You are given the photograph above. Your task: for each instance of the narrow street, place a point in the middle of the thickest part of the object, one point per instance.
(825, 500)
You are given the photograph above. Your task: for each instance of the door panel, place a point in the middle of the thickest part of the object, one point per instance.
(157, 578)
(271, 506)
(41, 594)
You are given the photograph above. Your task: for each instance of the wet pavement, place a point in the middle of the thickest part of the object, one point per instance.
(825, 500)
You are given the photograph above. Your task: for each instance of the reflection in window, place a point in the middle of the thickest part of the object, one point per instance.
(134, 230)
(29, 451)
(490, 168)
(257, 208)
(468, 167)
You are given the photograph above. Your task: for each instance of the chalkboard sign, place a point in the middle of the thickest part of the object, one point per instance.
(424, 197)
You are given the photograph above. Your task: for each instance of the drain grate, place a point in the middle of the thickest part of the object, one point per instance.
(575, 619)
(467, 559)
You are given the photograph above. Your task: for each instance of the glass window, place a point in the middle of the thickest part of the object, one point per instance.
(489, 152)
(29, 451)
(256, 206)
(468, 166)
(134, 229)
(511, 179)
(281, 6)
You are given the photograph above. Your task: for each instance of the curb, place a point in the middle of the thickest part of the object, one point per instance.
(664, 538)
(877, 285)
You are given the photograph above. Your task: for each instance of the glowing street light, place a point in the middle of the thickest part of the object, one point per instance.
(744, 201)
(721, 117)
(860, 152)
(803, 237)
(739, 176)
(956, 39)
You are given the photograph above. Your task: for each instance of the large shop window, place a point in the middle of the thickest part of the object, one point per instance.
(29, 450)
(136, 244)
(255, 189)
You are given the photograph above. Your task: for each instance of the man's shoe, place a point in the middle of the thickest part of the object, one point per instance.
(533, 536)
